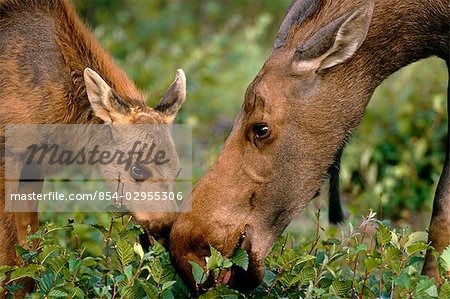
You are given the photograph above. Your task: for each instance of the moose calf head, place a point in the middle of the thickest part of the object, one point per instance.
(143, 133)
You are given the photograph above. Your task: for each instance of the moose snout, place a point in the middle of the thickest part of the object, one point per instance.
(190, 243)
(184, 249)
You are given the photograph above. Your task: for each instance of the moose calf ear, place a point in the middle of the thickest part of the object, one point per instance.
(174, 97)
(105, 102)
(349, 38)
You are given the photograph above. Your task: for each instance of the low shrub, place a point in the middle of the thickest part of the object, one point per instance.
(367, 261)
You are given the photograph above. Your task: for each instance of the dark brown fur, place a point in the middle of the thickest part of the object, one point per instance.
(256, 187)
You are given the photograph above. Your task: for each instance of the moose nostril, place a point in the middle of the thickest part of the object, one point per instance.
(244, 240)
(204, 252)
(241, 240)
(279, 215)
(252, 200)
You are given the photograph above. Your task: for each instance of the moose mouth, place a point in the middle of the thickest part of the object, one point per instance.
(246, 280)
(238, 278)
(249, 279)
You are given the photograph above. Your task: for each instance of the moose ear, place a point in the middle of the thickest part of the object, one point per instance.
(350, 36)
(105, 102)
(174, 97)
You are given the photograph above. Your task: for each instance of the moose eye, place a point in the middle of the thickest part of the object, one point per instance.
(261, 131)
(140, 173)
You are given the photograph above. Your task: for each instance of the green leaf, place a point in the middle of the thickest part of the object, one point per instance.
(100, 228)
(423, 284)
(74, 264)
(361, 247)
(319, 292)
(371, 263)
(46, 252)
(303, 259)
(384, 235)
(402, 281)
(157, 248)
(269, 277)
(392, 253)
(55, 293)
(444, 290)
(45, 282)
(215, 261)
(240, 258)
(149, 289)
(125, 252)
(101, 291)
(159, 271)
(432, 291)
(168, 285)
(36, 236)
(444, 259)
(307, 274)
(58, 263)
(394, 240)
(20, 250)
(138, 250)
(89, 261)
(341, 288)
(4, 269)
(167, 294)
(222, 291)
(128, 271)
(416, 237)
(128, 235)
(198, 273)
(26, 257)
(27, 271)
(77, 293)
(119, 278)
(227, 263)
(133, 292)
(416, 247)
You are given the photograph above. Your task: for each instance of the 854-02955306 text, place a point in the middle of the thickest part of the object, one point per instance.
(99, 195)
(88, 168)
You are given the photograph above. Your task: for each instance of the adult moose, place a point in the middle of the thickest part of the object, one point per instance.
(53, 71)
(311, 93)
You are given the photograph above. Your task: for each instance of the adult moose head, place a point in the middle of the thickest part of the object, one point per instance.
(297, 114)
(53, 71)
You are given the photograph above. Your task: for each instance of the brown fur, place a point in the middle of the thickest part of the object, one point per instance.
(256, 187)
(46, 44)
(44, 50)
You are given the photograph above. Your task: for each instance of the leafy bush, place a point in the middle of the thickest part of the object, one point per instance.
(123, 270)
(369, 261)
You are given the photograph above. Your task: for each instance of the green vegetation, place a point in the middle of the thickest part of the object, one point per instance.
(370, 260)
(392, 165)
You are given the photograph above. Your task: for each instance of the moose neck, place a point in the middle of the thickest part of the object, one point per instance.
(403, 32)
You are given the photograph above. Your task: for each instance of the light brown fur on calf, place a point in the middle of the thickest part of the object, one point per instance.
(44, 51)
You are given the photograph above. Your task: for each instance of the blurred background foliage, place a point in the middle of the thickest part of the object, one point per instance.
(392, 163)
